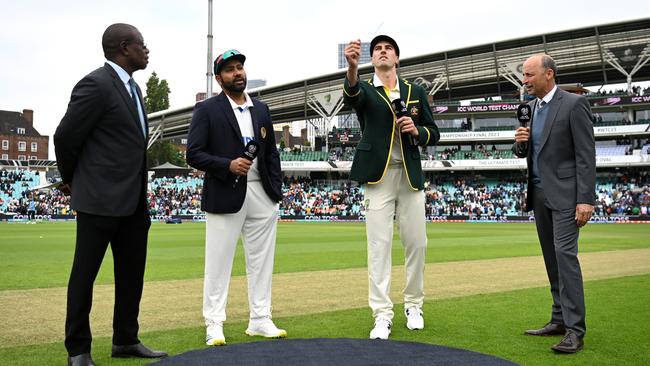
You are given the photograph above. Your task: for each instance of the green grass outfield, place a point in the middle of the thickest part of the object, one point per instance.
(618, 321)
(37, 256)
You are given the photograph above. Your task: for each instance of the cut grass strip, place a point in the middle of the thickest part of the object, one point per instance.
(617, 322)
(39, 256)
(30, 316)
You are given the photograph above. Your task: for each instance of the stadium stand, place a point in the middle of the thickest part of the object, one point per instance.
(175, 196)
(475, 113)
(14, 186)
(304, 156)
(456, 195)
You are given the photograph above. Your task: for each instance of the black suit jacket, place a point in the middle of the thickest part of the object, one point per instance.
(567, 158)
(214, 140)
(100, 148)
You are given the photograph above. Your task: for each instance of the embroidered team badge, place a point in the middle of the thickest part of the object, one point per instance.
(263, 132)
(414, 111)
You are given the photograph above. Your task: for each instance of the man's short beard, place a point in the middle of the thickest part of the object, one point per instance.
(231, 87)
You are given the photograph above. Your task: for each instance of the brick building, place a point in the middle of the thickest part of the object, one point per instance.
(19, 140)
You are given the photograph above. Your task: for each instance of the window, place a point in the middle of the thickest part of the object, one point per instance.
(32, 157)
(5, 157)
(20, 131)
(21, 157)
(22, 146)
(34, 146)
(183, 141)
(5, 144)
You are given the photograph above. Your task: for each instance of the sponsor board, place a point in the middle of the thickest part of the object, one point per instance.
(505, 107)
(640, 219)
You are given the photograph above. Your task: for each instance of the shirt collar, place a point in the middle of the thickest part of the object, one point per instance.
(246, 105)
(376, 81)
(124, 76)
(547, 98)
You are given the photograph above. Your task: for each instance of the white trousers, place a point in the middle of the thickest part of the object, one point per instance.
(256, 222)
(394, 197)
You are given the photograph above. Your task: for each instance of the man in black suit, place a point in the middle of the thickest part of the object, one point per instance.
(560, 150)
(240, 196)
(101, 146)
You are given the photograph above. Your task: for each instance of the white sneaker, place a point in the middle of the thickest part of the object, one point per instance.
(214, 335)
(414, 319)
(381, 329)
(264, 327)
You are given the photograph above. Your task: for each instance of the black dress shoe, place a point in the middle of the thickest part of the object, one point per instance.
(83, 359)
(136, 350)
(571, 343)
(547, 330)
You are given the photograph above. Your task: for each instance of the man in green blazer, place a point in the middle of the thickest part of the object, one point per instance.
(387, 163)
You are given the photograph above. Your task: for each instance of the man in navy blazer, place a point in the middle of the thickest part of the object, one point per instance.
(240, 196)
(101, 152)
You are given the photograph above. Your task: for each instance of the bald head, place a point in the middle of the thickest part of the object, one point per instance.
(539, 74)
(544, 61)
(123, 44)
(114, 35)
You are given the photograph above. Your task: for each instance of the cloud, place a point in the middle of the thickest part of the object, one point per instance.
(46, 47)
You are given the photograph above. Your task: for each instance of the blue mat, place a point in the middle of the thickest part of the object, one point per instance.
(333, 351)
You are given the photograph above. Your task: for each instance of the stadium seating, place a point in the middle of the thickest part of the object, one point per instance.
(645, 150)
(14, 185)
(455, 154)
(612, 150)
(617, 195)
(496, 128)
(304, 156)
(450, 129)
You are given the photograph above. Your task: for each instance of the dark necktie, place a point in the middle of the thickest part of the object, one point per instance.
(134, 96)
(539, 120)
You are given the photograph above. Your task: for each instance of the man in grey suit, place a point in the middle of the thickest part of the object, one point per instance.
(560, 149)
(101, 152)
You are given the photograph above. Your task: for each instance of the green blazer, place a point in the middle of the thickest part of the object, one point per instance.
(377, 120)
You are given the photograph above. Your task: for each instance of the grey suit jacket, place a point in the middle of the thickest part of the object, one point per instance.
(100, 148)
(567, 158)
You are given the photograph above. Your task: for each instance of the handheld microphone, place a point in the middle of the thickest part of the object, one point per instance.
(250, 153)
(399, 107)
(523, 114)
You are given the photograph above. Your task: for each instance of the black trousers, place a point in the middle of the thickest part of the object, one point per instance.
(558, 236)
(128, 239)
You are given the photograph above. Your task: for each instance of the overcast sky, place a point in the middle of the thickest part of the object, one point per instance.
(47, 46)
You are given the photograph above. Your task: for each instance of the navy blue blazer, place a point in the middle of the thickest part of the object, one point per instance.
(214, 140)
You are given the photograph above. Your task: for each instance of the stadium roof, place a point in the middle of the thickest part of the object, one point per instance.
(467, 73)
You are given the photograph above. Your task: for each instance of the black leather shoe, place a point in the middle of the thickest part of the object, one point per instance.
(571, 343)
(547, 330)
(83, 359)
(136, 350)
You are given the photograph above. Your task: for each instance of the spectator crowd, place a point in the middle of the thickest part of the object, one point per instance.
(617, 194)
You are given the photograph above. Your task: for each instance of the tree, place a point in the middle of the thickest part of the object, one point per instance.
(282, 144)
(157, 98)
(164, 151)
